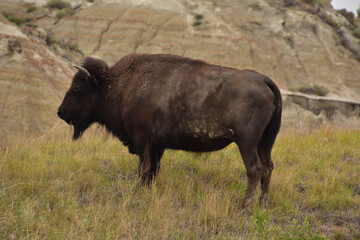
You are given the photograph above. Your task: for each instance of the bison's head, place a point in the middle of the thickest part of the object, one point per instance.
(82, 99)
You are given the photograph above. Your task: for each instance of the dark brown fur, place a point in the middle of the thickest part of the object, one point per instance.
(155, 102)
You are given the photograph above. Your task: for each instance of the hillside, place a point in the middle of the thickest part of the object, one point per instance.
(306, 47)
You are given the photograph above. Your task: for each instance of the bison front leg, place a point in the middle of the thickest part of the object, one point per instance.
(149, 165)
(156, 155)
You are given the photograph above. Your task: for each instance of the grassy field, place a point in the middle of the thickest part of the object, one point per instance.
(53, 188)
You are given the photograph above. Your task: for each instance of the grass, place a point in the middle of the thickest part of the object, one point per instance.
(53, 188)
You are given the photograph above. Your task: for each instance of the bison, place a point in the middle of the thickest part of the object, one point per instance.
(153, 102)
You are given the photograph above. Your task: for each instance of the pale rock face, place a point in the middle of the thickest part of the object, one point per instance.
(295, 48)
(32, 83)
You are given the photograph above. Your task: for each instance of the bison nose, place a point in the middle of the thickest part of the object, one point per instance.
(60, 113)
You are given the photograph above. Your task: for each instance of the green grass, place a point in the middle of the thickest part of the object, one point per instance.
(53, 188)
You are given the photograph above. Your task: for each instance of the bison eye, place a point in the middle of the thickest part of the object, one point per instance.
(77, 89)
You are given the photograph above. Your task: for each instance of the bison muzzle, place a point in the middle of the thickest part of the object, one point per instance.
(157, 102)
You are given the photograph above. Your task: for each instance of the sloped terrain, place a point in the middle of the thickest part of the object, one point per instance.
(33, 81)
(293, 42)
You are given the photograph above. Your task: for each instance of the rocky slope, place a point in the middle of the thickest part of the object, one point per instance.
(303, 47)
(32, 81)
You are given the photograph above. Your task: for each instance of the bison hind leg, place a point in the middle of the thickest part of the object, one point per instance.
(264, 151)
(253, 167)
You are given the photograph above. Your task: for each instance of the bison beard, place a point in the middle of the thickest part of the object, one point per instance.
(77, 132)
(153, 102)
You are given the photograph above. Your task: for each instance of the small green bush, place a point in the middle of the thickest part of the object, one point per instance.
(262, 229)
(50, 39)
(348, 15)
(301, 232)
(198, 17)
(312, 90)
(57, 4)
(197, 20)
(196, 23)
(329, 20)
(356, 33)
(255, 6)
(64, 12)
(260, 224)
(73, 47)
(31, 8)
(321, 3)
(13, 19)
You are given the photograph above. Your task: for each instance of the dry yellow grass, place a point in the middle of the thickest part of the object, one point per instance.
(53, 188)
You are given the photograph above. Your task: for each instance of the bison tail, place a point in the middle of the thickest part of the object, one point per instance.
(273, 127)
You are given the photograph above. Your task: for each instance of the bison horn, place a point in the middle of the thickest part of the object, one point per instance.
(83, 70)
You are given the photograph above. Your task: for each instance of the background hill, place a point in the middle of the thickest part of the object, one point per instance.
(306, 47)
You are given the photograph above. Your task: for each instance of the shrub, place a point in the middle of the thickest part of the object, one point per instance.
(13, 19)
(329, 20)
(58, 4)
(197, 20)
(72, 46)
(321, 3)
(198, 17)
(64, 12)
(50, 39)
(314, 90)
(196, 23)
(255, 6)
(262, 229)
(31, 8)
(348, 15)
(320, 90)
(356, 33)
(260, 224)
(301, 232)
